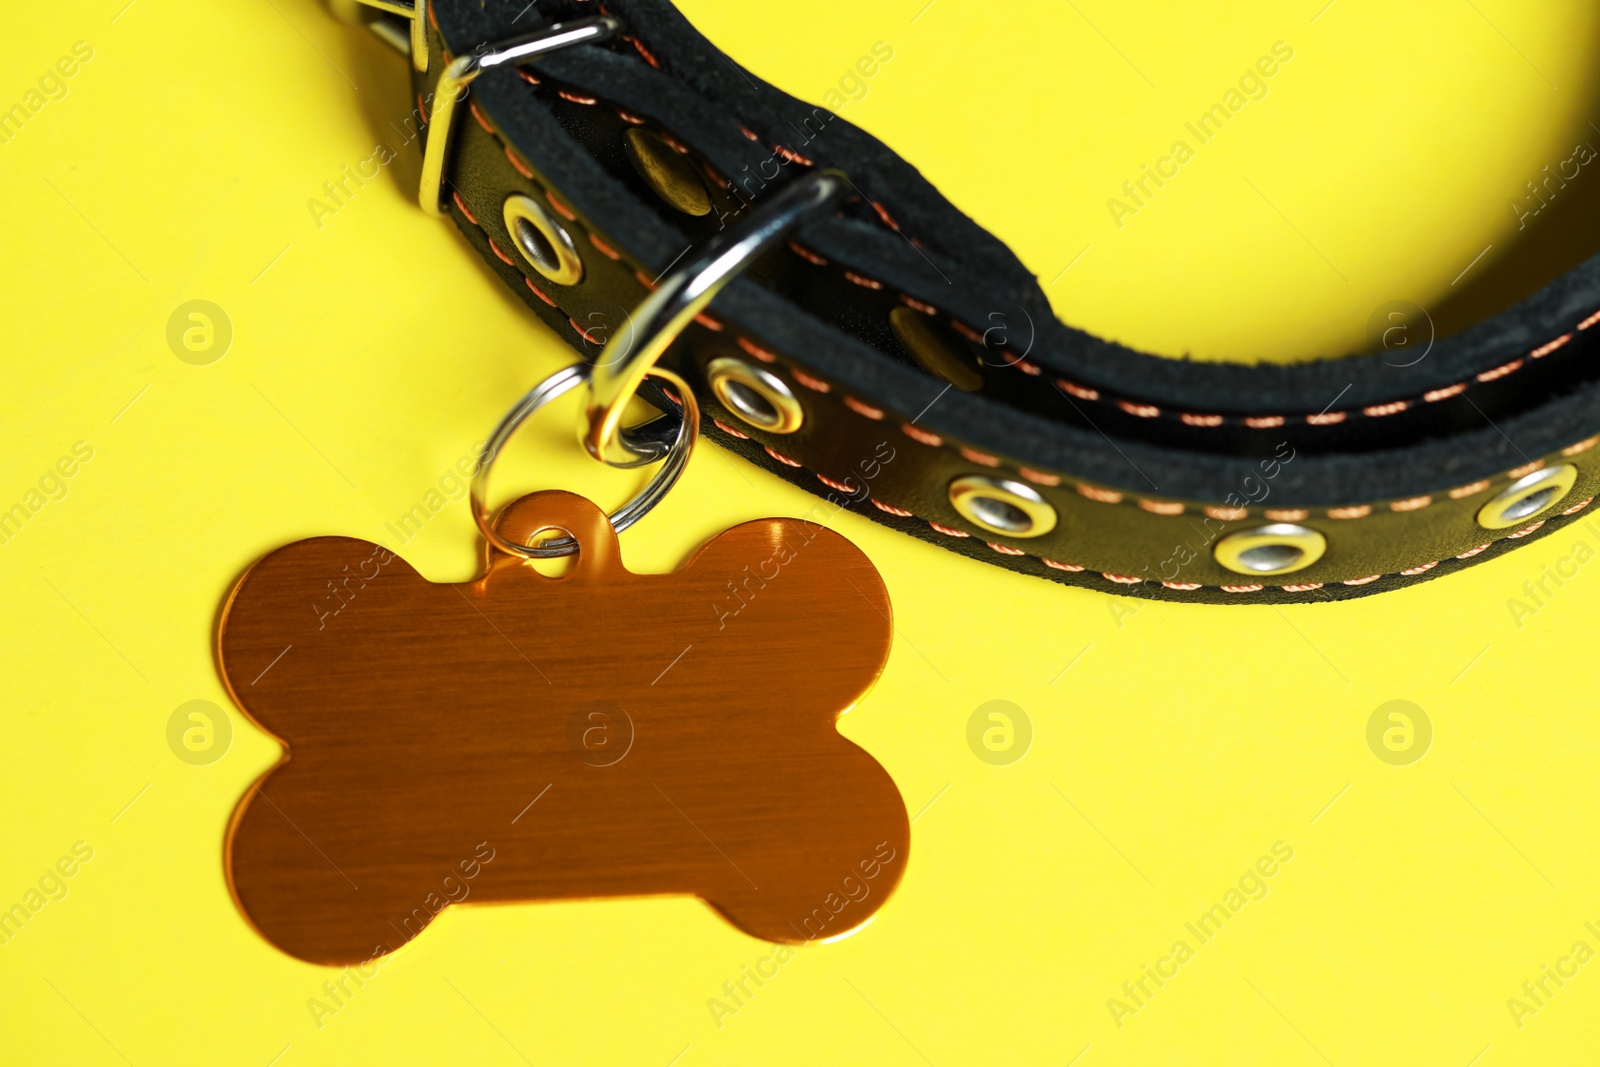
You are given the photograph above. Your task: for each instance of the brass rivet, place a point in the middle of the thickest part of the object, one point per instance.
(1002, 506)
(1527, 497)
(667, 171)
(1280, 548)
(758, 397)
(542, 240)
(942, 356)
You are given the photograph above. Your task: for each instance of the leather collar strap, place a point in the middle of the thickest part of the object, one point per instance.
(929, 371)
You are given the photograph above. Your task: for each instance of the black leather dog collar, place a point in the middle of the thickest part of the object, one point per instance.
(924, 380)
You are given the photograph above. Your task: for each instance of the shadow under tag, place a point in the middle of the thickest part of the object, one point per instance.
(522, 737)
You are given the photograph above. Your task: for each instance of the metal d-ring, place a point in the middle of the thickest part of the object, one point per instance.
(451, 89)
(675, 455)
(658, 320)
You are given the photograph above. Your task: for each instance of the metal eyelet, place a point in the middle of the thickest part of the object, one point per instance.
(1526, 497)
(758, 397)
(542, 240)
(1002, 506)
(941, 356)
(667, 171)
(1281, 548)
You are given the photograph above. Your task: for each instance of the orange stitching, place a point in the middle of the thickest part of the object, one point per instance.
(948, 531)
(1435, 395)
(891, 509)
(1162, 507)
(1226, 514)
(1184, 586)
(831, 484)
(1579, 506)
(1526, 530)
(730, 431)
(1058, 565)
(966, 331)
(585, 334)
(1039, 477)
(1360, 511)
(1263, 422)
(782, 458)
(1469, 553)
(1362, 581)
(648, 58)
(1394, 407)
(1581, 446)
(1308, 587)
(1005, 550)
(792, 156)
(563, 209)
(1500, 371)
(1467, 490)
(497, 251)
(632, 120)
(462, 207)
(1287, 514)
(1546, 349)
(525, 170)
(862, 409)
(1104, 496)
(809, 382)
(708, 322)
(527, 76)
(862, 280)
(605, 249)
(1326, 418)
(540, 293)
(574, 97)
(917, 433)
(1421, 568)
(1200, 420)
(1120, 579)
(1590, 321)
(806, 254)
(980, 457)
(763, 355)
(1410, 503)
(1082, 392)
(473, 107)
(1243, 588)
(1144, 411)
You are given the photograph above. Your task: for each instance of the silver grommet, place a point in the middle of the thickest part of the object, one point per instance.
(756, 396)
(1280, 548)
(1002, 506)
(542, 240)
(1527, 497)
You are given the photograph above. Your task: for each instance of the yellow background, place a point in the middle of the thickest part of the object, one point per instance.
(1172, 745)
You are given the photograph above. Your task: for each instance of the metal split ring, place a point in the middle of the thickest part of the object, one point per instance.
(674, 450)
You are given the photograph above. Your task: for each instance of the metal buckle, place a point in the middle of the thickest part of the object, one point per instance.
(415, 43)
(658, 320)
(451, 89)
